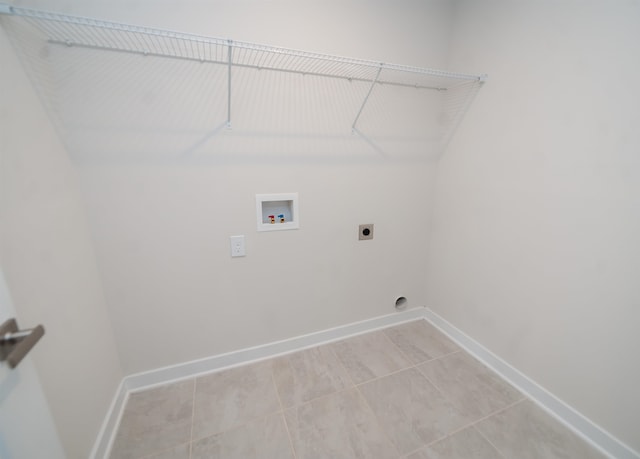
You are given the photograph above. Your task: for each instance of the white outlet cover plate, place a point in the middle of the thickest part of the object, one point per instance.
(237, 246)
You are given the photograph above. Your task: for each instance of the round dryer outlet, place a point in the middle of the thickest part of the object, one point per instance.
(365, 232)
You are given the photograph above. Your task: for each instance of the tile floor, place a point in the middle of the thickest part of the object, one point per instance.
(403, 392)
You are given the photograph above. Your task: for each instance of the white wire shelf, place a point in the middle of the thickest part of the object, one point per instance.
(233, 64)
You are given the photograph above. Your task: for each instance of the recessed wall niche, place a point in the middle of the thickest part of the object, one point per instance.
(277, 212)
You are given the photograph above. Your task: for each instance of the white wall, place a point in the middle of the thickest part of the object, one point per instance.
(535, 248)
(161, 226)
(536, 214)
(48, 259)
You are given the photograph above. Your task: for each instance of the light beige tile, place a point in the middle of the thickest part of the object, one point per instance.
(232, 397)
(465, 444)
(469, 385)
(155, 420)
(337, 426)
(369, 356)
(526, 431)
(411, 410)
(420, 341)
(262, 438)
(309, 374)
(177, 452)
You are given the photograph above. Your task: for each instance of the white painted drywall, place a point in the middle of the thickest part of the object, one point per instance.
(49, 263)
(161, 226)
(534, 250)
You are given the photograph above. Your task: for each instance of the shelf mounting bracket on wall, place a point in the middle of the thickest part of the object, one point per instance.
(230, 64)
(366, 98)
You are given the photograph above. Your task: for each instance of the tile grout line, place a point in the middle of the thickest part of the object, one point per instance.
(155, 453)
(413, 366)
(477, 421)
(284, 419)
(342, 365)
(447, 399)
(320, 397)
(353, 386)
(166, 448)
(482, 418)
(394, 372)
(402, 353)
(237, 426)
(510, 405)
(362, 397)
(598, 439)
(405, 355)
(304, 402)
(445, 396)
(193, 416)
(472, 425)
(438, 390)
(377, 378)
(246, 421)
(411, 363)
(410, 453)
(488, 441)
(377, 419)
(366, 402)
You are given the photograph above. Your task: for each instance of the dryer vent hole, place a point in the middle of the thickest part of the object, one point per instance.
(401, 303)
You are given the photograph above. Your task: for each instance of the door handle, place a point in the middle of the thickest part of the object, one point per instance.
(16, 343)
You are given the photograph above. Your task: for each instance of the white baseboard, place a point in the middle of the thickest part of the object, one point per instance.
(592, 433)
(598, 437)
(173, 373)
(102, 446)
(186, 370)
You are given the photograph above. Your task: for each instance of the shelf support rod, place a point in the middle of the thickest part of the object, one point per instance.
(364, 102)
(230, 62)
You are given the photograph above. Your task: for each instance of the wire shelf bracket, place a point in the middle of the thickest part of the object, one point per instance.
(366, 98)
(230, 65)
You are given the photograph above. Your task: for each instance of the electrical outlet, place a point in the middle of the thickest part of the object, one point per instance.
(365, 232)
(237, 246)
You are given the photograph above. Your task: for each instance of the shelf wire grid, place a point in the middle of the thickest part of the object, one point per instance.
(36, 33)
